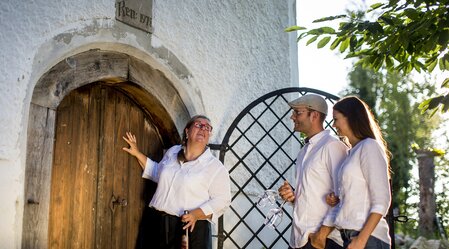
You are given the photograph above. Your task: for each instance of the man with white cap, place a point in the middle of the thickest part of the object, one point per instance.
(316, 173)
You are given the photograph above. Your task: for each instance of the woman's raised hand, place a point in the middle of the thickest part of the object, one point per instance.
(132, 142)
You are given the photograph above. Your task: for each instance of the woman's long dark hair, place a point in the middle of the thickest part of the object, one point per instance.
(361, 121)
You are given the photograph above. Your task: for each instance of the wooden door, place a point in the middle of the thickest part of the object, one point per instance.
(97, 193)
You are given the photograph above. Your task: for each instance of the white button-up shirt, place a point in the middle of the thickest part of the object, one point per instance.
(203, 183)
(316, 173)
(364, 188)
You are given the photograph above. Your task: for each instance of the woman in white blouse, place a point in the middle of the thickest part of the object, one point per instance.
(188, 178)
(363, 195)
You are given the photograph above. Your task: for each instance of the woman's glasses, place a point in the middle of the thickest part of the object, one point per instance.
(201, 126)
(274, 215)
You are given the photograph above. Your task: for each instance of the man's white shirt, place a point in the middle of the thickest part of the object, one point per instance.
(316, 173)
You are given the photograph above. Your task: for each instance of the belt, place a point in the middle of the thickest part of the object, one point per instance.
(348, 233)
(162, 213)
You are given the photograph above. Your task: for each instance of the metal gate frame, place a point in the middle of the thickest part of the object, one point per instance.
(226, 146)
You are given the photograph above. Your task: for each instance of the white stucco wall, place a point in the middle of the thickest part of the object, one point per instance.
(220, 55)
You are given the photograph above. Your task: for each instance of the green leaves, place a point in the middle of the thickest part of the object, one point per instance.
(321, 31)
(389, 62)
(375, 28)
(329, 18)
(323, 41)
(434, 104)
(311, 40)
(445, 103)
(375, 6)
(387, 19)
(443, 38)
(406, 36)
(344, 45)
(430, 63)
(445, 83)
(335, 43)
(412, 13)
(315, 33)
(294, 28)
(444, 62)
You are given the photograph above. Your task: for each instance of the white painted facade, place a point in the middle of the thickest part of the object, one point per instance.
(219, 55)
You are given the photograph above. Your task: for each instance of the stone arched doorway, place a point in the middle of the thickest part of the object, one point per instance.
(124, 76)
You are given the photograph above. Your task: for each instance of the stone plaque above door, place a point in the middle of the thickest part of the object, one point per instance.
(136, 13)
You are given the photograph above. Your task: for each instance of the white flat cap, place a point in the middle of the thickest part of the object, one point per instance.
(311, 101)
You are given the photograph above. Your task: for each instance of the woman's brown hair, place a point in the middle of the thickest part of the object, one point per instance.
(361, 121)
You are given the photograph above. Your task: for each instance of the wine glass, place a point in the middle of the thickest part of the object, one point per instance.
(274, 216)
(268, 197)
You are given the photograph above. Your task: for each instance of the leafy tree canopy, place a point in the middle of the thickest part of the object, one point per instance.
(403, 36)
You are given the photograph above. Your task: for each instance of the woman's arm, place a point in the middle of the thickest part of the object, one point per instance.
(360, 240)
(134, 150)
(374, 168)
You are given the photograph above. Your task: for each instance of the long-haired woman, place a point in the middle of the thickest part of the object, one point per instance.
(364, 189)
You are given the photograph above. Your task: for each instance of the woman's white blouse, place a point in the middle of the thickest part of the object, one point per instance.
(364, 188)
(203, 183)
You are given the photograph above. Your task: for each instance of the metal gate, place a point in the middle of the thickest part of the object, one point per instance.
(259, 150)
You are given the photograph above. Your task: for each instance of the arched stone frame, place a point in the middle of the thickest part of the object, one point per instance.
(153, 91)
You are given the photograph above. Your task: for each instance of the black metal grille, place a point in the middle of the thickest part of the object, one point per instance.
(260, 148)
